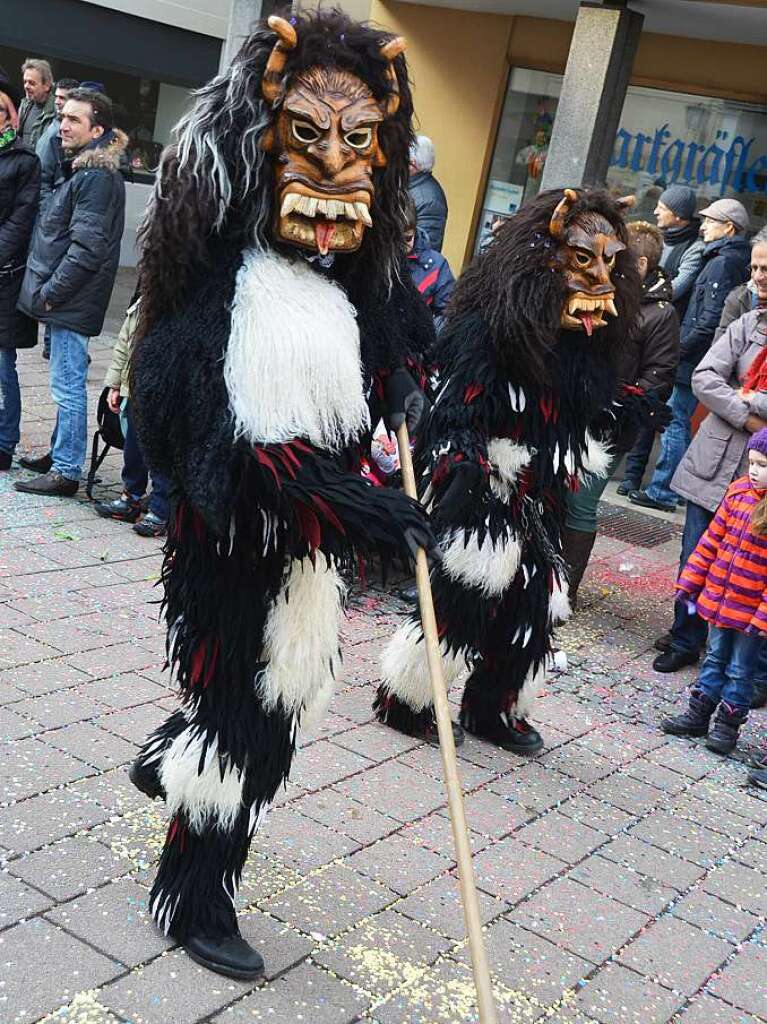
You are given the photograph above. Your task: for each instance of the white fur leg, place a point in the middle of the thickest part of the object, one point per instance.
(559, 603)
(301, 642)
(204, 797)
(596, 457)
(507, 460)
(487, 566)
(530, 690)
(405, 669)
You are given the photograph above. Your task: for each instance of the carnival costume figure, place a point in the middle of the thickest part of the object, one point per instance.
(526, 407)
(277, 318)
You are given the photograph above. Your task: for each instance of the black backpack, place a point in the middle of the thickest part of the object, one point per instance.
(110, 432)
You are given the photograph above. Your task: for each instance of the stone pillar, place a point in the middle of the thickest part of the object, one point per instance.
(597, 75)
(242, 17)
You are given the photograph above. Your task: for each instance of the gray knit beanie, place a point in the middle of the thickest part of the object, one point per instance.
(680, 199)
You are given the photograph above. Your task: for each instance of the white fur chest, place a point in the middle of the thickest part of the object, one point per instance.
(293, 362)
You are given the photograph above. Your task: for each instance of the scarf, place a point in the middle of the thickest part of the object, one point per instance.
(684, 233)
(755, 378)
(7, 137)
(10, 106)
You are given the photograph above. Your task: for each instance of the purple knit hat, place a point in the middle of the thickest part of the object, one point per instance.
(758, 442)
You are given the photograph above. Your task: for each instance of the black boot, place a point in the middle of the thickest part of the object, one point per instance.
(230, 955)
(507, 732)
(694, 721)
(146, 779)
(42, 464)
(724, 733)
(759, 696)
(576, 549)
(422, 725)
(757, 775)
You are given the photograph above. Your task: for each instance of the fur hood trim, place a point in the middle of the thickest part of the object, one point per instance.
(106, 156)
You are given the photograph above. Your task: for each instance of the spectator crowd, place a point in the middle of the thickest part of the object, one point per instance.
(701, 340)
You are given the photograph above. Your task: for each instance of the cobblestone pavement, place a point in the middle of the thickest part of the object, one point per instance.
(621, 873)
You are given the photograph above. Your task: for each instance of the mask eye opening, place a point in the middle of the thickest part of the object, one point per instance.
(304, 132)
(359, 138)
(582, 258)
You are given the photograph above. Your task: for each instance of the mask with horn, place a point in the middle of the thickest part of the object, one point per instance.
(588, 246)
(325, 146)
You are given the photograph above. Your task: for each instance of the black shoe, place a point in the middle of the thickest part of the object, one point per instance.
(643, 499)
(145, 778)
(759, 696)
(5, 460)
(123, 508)
(757, 774)
(43, 464)
(694, 721)
(723, 737)
(673, 660)
(514, 734)
(626, 487)
(664, 642)
(151, 526)
(230, 955)
(51, 485)
(421, 725)
(409, 594)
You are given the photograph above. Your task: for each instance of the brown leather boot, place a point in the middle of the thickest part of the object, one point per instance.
(576, 548)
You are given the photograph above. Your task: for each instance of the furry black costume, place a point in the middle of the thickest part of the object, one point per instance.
(257, 375)
(525, 408)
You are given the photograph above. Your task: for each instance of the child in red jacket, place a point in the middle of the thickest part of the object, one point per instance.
(725, 581)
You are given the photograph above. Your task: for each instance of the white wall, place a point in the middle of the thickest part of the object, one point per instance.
(136, 198)
(210, 17)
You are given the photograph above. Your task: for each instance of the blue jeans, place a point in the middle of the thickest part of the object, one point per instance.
(10, 401)
(674, 442)
(136, 475)
(727, 672)
(69, 375)
(638, 457)
(688, 634)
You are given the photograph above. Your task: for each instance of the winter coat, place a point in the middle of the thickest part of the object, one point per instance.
(726, 575)
(650, 356)
(33, 120)
(740, 300)
(118, 374)
(19, 194)
(75, 249)
(51, 157)
(431, 275)
(430, 206)
(681, 260)
(718, 451)
(725, 264)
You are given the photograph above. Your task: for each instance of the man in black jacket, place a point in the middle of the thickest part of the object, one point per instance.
(70, 273)
(725, 264)
(426, 192)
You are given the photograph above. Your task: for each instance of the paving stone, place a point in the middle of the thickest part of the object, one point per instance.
(262, 877)
(676, 954)
(657, 775)
(623, 884)
(683, 838)
(739, 885)
(306, 994)
(91, 744)
(596, 814)
(115, 919)
(510, 870)
(725, 789)
(45, 677)
(281, 945)
(406, 793)
(438, 905)
(18, 901)
(67, 868)
(132, 724)
(324, 763)
(687, 805)
(619, 996)
(754, 854)
(629, 794)
(705, 1009)
(14, 726)
(44, 819)
(492, 815)
(561, 836)
(300, 842)
(652, 861)
(676, 756)
(329, 901)
(383, 953)
(171, 988)
(376, 742)
(113, 660)
(112, 789)
(352, 704)
(124, 691)
(578, 762)
(28, 767)
(536, 788)
(19, 650)
(26, 993)
(53, 710)
(588, 924)
(715, 916)
(427, 759)
(334, 810)
(399, 863)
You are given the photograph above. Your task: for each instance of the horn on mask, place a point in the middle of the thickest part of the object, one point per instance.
(389, 51)
(558, 217)
(271, 83)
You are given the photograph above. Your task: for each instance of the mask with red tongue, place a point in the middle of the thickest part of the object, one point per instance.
(325, 147)
(588, 246)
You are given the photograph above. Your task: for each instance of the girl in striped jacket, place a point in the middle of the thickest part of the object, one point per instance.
(725, 581)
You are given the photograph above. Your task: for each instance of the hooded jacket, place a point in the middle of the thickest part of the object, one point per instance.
(430, 206)
(75, 249)
(431, 274)
(741, 300)
(19, 189)
(727, 572)
(725, 265)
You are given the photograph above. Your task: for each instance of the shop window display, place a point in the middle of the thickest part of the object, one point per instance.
(717, 146)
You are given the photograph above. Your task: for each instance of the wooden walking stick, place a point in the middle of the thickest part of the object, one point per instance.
(482, 982)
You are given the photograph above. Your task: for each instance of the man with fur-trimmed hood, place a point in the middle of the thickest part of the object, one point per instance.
(528, 359)
(277, 317)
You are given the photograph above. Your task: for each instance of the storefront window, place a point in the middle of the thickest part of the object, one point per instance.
(718, 147)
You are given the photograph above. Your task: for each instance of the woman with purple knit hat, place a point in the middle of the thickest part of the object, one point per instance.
(725, 581)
